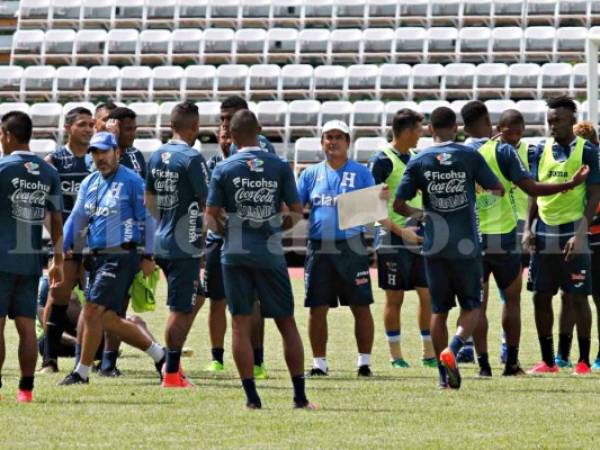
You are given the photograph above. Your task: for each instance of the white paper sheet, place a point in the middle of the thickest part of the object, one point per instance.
(361, 207)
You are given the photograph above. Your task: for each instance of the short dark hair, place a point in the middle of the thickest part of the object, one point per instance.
(183, 113)
(19, 125)
(234, 102)
(472, 112)
(562, 102)
(442, 118)
(121, 113)
(244, 124)
(109, 106)
(511, 117)
(405, 119)
(72, 115)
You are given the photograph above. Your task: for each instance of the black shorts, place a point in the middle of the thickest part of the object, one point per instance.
(454, 278)
(183, 282)
(595, 269)
(341, 276)
(400, 269)
(506, 268)
(18, 295)
(213, 272)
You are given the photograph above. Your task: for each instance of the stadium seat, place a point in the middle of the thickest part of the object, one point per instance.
(335, 110)
(69, 106)
(286, 12)
(378, 45)
(307, 150)
(209, 116)
(361, 80)
(426, 107)
(231, 79)
(90, 46)
(350, 13)
(497, 107)
(164, 115)
(70, 83)
(508, 11)
(313, 45)
(345, 46)
(296, 81)
(580, 77)
(414, 12)
(160, 13)
(166, 82)
(217, 45)
(542, 11)
(570, 43)
(129, 13)
(154, 46)
(523, 80)
(491, 80)
(534, 112)
(147, 117)
(27, 46)
(444, 11)
(410, 44)
(38, 82)
(573, 10)
(192, 13)
(477, 12)
(185, 45)
(365, 147)
(98, 13)
(122, 46)
(58, 46)
(263, 81)
(255, 13)
(507, 44)
(42, 147)
(367, 118)
(539, 43)
(474, 44)
(102, 81)
(424, 142)
(65, 13)
(10, 81)
(34, 12)
(303, 118)
(272, 115)
(134, 82)
(394, 81)
(250, 45)
(223, 13)
(555, 79)
(459, 80)
(441, 44)
(427, 80)
(329, 81)
(391, 108)
(147, 146)
(383, 13)
(281, 45)
(6, 107)
(318, 12)
(456, 106)
(46, 118)
(199, 82)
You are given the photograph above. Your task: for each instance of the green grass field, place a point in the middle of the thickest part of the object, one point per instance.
(396, 409)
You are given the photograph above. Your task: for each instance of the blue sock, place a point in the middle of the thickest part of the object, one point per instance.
(77, 353)
(173, 358)
(109, 360)
(443, 374)
(258, 356)
(425, 333)
(456, 344)
(250, 390)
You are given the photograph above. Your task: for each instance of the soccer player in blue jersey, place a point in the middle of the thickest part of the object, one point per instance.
(176, 191)
(73, 164)
(498, 226)
(122, 122)
(446, 174)
(110, 204)
(337, 263)
(249, 188)
(400, 266)
(29, 189)
(558, 238)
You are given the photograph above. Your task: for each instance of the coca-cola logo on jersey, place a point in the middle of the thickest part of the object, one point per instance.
(446, 189)
(255, 199)
(29, 200)
(263, 195)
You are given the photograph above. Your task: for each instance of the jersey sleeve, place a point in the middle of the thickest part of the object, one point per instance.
(407, 189)
(216, 191)
(380, 168)
(510, 164)
(482, 173)
(54, 202)
(534, 155)
(144, 220)
(304, 187)
(150, 177)
(591, 155)
(198, 176)
(289, 193)
(367, 179)
(77, 219)
(266, 145)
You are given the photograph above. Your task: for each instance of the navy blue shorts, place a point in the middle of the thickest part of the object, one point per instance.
(341, 276)
(183, 282)
(18, 295)
(506, 268)
(400, 269)
(595, 269)
(110, 278)
(213, 273)
(272, 285)
(451, 279)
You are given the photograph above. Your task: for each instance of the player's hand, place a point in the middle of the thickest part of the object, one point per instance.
(385, 193)
(55, 275)
(580, 176)
(410, 236)
(528, 241)
(147, 267)
(113, 126)
(573, 247)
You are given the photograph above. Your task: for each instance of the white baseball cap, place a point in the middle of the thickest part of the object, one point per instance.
(336, 125)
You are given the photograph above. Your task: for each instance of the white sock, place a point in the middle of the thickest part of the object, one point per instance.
(364, 359)
(82, 370)
(155, 351)
(320, 363)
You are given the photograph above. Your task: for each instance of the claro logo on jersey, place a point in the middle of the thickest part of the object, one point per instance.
(29, 200)
(70, 186)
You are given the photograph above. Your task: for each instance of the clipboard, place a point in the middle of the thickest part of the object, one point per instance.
(361, 207)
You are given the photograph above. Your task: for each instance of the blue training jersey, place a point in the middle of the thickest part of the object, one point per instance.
(178, 177)
(263, 142)
(134, 159)
(28, 188)
(446, 175)
(71, 171)
(113, 209)
(319, 187)
(250, 186)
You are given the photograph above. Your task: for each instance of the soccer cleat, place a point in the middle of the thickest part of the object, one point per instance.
(503, 353)
(215, 366)
(73, 378)
(176, 380)
(582, 369)
(485, 372)
(306, 405)
(260, 373)
(24, 396)
(449, 362)
(596, 365)
(251, 405)
(112, 373)
(364, 371)
(513, 371)
(542, 368)
(562, 363)
(466, 355)
(160, 365)
(429, 362)
(400, 363)
(49, 366)
(316, 372)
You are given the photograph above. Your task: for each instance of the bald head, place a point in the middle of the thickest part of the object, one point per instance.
(511, 117)
(244, 129)
(511, 127)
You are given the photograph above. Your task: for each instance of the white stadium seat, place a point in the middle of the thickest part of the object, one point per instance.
(10, 80)
(427, 79)
(491, 80)
(507, 44)
(281, 44)
(70, 82)
(441, 44)
(102, 81)
(263, 81)
(58, 46)
(46, 115)
(147, 114)
(523, 80)
(391, 108)
(209, 114)
(250, 45)
(303, 118)
(232, 78)
(497, 107)
(378, 44)
(534, 111)
(185, 45)
(365, 147)
(166, 82)
(134, 82)
(555, 79)
(307, 150)
(361, 80)
(217, 45)
(570, 43)
(335, 110)
(272, 116)
(296, 81)
(459, 79)
(37, 82)
(313, 44)
(27, 45)
(539, 43)
(426, 107)
(42, 147)
(122, 45)
(474, 43)
(200, 81)
(154, 46)
(90, 45)
(6, 107)
(410, 44)
(345, 45)
(367, 117)
(394, 80)
(329, 81)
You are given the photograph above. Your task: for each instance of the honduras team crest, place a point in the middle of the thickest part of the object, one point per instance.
(165, 157)
(32, 168)
(444, 159)
(256, 165)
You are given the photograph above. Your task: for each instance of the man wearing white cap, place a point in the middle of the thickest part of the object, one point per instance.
(337, 264)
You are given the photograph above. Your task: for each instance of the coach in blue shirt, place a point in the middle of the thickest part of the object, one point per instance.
(337, 264)
(110, 203)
